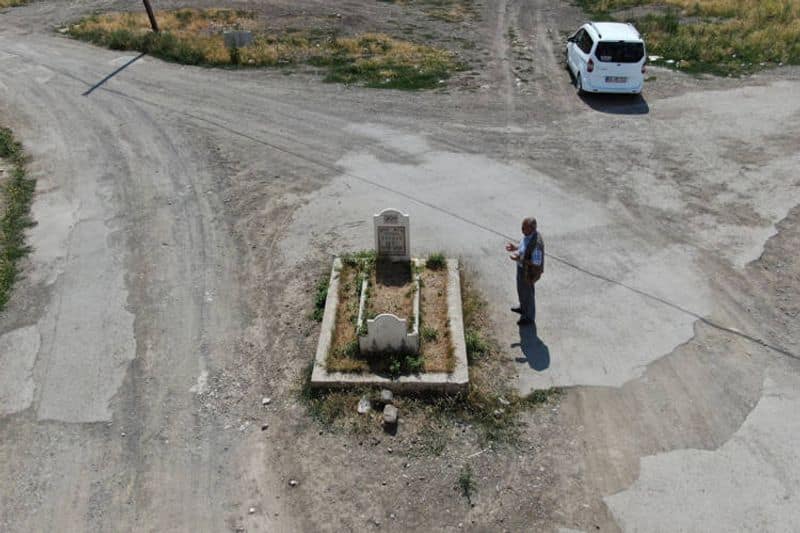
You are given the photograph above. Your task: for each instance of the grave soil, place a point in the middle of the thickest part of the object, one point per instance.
(343, 356)
(438, 348)
(392, 291)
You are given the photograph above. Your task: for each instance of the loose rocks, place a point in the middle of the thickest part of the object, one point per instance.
(364, 405)
(390, 415)
(386, 396)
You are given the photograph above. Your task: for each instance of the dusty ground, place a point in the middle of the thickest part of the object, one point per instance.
(185, 215)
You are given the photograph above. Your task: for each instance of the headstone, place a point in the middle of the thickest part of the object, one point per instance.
(392, 240)
(237, 39)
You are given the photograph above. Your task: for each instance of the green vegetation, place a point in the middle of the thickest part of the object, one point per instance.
(12, 3)
(16, 196)
(429, 334)
(400, 364)
(334, 409)
(195, 37)
(363, 260)
(436, 261)
(466, 482)
(477, 346)
(320, 297)
(725, 37)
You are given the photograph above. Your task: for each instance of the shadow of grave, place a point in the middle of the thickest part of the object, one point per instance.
(535, 352)
(393, 273)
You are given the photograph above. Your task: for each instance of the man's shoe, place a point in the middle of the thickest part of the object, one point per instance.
(517, 310)
(524, 322)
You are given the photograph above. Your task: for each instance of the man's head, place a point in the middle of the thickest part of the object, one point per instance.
(528, 226)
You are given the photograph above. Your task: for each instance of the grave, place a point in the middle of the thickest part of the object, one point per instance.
(388, 332)
(382, 344)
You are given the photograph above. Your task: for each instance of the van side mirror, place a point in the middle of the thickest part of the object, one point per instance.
(570, 39)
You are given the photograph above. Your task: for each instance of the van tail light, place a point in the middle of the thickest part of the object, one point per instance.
(590, 66)
(644, 68)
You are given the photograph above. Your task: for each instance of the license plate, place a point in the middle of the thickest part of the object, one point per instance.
(616, 79)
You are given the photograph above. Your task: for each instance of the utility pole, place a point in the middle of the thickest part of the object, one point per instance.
(151, 15)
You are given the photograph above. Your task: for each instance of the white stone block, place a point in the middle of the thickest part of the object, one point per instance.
(388, 333)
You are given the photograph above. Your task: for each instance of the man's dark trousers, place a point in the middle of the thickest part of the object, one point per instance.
(527, 296)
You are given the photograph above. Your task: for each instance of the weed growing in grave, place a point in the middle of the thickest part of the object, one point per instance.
(364, 260)
(400, 363)
(16, 196)
(429, 334)
(466, 482)
(436, 261)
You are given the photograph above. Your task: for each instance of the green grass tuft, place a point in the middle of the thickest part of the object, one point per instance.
(477, 345)
(466, 482)
(429, 334)
(436, 261)
(320, 297)
(17, 196)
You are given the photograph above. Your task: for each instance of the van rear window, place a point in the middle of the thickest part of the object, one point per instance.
(619, 52)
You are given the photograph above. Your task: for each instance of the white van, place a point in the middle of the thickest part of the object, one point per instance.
(607, 57)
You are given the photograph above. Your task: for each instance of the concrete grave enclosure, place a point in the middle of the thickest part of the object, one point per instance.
(388, 332)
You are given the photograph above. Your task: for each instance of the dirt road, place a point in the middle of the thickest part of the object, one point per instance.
(184, 215)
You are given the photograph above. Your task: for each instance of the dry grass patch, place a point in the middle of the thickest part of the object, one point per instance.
(435, 340)
(718, 36)
(12, 3)
(446, 10)
(195, 37)
(392, 290)
(344, 353)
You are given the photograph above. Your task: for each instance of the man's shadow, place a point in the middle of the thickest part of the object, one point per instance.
(536, 352)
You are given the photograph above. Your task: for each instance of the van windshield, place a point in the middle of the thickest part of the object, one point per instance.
(619, 52)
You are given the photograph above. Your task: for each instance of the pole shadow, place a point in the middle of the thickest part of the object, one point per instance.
(535, 352)
(100, 83)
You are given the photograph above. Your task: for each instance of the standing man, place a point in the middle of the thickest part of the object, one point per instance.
(529, 256)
